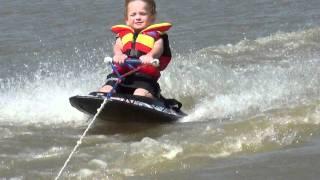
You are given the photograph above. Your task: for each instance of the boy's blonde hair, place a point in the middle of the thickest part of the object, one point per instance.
(150, 3)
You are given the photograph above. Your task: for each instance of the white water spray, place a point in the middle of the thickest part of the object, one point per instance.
(81, 138)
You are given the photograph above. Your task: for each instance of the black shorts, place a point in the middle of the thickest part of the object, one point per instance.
(137, 80)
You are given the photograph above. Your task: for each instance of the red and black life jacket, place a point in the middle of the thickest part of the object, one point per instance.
(137, 44)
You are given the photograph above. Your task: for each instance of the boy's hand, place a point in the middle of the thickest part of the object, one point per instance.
(119, 58)
(146, 59)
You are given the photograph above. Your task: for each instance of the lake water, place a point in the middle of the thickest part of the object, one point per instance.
(247, 73)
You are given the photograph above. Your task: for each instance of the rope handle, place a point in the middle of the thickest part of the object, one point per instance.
(132, 61)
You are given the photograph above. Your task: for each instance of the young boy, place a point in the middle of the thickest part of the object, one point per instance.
(140, 39)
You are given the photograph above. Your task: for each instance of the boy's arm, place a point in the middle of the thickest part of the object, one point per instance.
(155, 53)
(118, 57)
(157, 49)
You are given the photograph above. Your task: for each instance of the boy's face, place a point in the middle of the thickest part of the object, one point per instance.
(139, 15)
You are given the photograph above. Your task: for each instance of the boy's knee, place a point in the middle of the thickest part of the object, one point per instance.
(105, 89)
(142, 92)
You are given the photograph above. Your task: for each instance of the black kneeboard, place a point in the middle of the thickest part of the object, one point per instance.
(129, 108)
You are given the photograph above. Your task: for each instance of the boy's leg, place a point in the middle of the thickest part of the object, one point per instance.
(142, 92)
(108, 86)
(105, 89)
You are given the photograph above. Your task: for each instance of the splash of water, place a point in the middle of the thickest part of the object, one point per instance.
(42, 96)
(249, 77)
